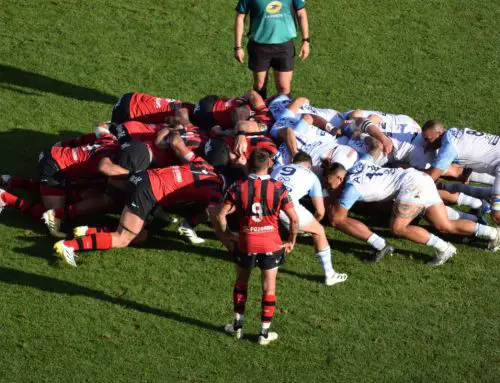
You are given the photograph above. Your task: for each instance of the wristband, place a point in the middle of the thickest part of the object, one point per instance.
(306, 40)
(240, 133)
(237, 48)
(328, 127)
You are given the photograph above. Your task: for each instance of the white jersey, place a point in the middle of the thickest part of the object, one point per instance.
(280, 103)
(298, 180)
(469, 148)
(369, 182)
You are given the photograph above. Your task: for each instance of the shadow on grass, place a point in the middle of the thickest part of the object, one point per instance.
(57, 286)
(11, 77)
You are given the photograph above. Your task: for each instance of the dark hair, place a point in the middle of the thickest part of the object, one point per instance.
(334, 169)
(259, 159)
(217, 152)
(302, 157)
(431, 124)
(240, 113)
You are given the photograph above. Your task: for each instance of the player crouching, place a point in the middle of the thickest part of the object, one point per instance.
(195, 181)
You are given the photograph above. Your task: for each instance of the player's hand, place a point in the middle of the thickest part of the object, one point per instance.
(288, 247)
(304, 51)
(241, 160)
(388, 146)
(240, 145)
(239, 55)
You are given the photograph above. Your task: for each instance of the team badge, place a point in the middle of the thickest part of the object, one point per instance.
(274, 7)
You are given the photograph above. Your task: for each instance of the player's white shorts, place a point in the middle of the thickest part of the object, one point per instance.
(419, 188)
(495, 191)
(304, 215)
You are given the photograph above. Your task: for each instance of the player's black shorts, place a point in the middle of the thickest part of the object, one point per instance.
(280, 57)
(140, 198)
(202, 114)
(264, 261)
(49, 172)
(121, 110)
(120, 132)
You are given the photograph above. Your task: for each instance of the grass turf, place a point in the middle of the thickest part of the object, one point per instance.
(156, 313)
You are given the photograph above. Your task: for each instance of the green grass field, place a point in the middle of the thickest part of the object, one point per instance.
(156, 313)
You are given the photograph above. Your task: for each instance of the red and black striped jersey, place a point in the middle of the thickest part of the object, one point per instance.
(263, 116)
(253, 143)
(221, 110)
(82, 161)
(154, 110)
(258, 201)
(196, 182)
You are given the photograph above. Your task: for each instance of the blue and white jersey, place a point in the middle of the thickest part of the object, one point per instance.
(368, 182)
(279, 105)
(469, 148)
(298, 180)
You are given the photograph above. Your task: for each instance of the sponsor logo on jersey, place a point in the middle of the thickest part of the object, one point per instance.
(274, 7)
(262, 229)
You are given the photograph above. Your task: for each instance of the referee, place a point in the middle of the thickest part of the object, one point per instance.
(271, 34)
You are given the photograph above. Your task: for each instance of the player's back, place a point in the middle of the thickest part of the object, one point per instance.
(81, 161)
(152, 109)
(297, 179)
(477, 150)
(258, 201)
(196, 181)
(373, 182)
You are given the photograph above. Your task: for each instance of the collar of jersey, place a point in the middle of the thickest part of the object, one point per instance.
(254, 176)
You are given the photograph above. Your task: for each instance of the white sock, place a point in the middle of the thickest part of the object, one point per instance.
(377, 242)
(454, 215)
(437, 243)
(325, 257)
(483, 231)
(239, 317)
(465, 200)
(482, 178)
(265, 327)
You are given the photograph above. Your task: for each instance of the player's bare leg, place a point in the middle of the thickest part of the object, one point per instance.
(438, 217)
(260, 83)
(283, 82)
(403, 215)
(268, 278)
(129, 228)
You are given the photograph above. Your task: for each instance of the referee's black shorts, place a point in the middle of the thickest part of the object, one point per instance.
(280, 57)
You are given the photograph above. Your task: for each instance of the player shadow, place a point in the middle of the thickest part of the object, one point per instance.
(57, 286)
(21, 148)
(12, 77)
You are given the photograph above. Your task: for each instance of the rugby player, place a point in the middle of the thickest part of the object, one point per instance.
(413, 191)
(300, 181)
(468, 148)
(195, 181)
(258, 201)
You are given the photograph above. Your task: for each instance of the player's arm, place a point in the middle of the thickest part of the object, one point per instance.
(217, 215)
(239, 26)
(161, 141)
(289, 137)
(294, 228)
(446, 155)
(371, 126)
(296, 104)
(304, 30)
(316, 194)
(180, 149)
(110, 169)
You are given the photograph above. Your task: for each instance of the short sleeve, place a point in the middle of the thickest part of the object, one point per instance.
(349, 196)
(299, 4)
(243, 6)
(286, 200)
(316, 190)
(447, 153)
